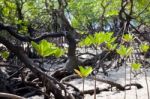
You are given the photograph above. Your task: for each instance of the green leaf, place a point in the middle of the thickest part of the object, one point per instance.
(35, 46)
(48, 52)
(127, 37)
(87, 41)
(112, 13)
(124, 51)
(136, 66)
(81, 68)
(5, 11)
(98, 38)
(5, 54)
(111, 47)
(112, 40)
(109, 37)
(144, 47)
(44, 49)
(74, 23)
(43, 46)
(92, 39)
(59, 52)
(87, 71)
(84, 72)
(23, 29)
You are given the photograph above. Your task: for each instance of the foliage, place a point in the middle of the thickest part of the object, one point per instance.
(136, 66)
(144, 47)
(127, 37)
(84, 72)
(124, 51)
(4, 54)
(97, 39)
(44, 48)
(87, 41)
(111, 47)
(82, 19)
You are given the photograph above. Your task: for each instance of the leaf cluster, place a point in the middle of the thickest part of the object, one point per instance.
(4, 54)
(97, 39)
(45, 48)
(84, 72)
(124, 51)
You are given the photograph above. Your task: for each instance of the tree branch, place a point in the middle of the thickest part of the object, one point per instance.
(13, 31)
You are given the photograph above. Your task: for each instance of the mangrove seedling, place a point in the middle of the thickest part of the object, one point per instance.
(83, 73)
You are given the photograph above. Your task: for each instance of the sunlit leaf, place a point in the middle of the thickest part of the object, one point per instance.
(35, 46)
(59, 52)
(127, 37)
(45, 48)
(97, 39)
(112, 13)
(136, 66)
(124, 51)
(84, 72)
(144, 47)
(87, 71)
(111, 47)
(86, 42)
(5, 11)
(121, 50)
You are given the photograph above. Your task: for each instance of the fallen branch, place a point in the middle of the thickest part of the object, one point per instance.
(13, 31)
(139, 86)
(113, 84)
(10, 96)
(91, 92)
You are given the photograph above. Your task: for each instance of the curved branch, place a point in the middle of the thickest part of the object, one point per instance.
(10, 96)
(13, 31)
(118, 86)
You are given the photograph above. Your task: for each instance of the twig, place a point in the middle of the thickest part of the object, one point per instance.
(15, 73)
